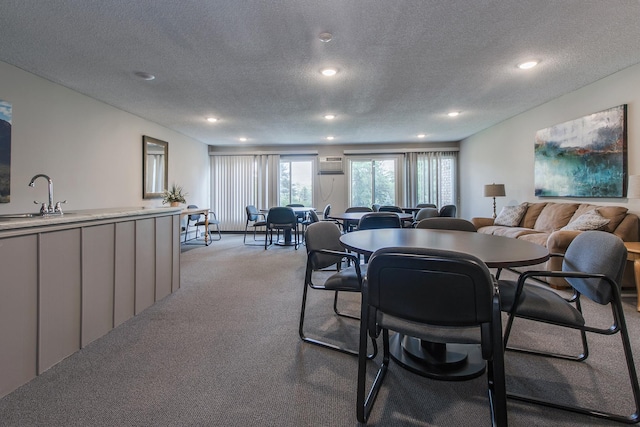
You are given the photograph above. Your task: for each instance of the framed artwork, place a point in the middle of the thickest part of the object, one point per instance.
(5, 151)
(586, 157)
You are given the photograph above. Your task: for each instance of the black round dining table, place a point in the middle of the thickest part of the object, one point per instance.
(445, 361)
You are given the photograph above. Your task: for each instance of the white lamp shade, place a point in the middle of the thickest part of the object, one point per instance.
(494, 190)
(633, 190)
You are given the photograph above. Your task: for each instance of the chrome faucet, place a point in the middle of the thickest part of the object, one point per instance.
(47, 209)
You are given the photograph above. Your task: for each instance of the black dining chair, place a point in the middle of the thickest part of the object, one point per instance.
(283, 219)
(593, 266)
(426, 205)
(389, 208)
(438, 223)
(435, 295)
(311, 218)
(373, 220)
(324, 251)
(350, 225)
(255, 219)
(197, 220)
(448, 211)
(424, 213)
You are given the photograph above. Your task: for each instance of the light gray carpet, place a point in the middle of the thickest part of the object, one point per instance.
(224, 351)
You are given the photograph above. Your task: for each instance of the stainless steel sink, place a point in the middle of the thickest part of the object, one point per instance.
(20, 215)
(31, 215)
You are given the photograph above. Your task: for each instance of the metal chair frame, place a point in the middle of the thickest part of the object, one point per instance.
(618, 326)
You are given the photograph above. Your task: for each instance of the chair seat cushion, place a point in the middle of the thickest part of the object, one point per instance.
(346, 279)
(211, 222)
(539, 302)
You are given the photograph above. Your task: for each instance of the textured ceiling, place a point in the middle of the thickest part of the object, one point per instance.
(255, 64)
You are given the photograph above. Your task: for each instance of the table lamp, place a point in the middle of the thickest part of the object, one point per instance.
(494, 190)
(633, 190)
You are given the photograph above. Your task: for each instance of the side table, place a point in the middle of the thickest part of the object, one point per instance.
(633, 254)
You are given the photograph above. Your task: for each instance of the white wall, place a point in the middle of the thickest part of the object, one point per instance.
(92, 151)
(504, 153)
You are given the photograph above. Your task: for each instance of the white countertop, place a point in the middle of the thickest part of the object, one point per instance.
(10, 223)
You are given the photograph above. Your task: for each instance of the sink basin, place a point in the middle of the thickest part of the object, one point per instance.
(30, 215)
(20, 215)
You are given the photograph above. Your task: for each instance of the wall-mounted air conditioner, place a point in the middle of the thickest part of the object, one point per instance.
(330, 165)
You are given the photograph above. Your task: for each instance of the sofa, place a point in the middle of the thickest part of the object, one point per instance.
(555, 225)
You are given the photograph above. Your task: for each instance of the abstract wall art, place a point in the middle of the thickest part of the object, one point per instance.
(586, 157)
(5, 151)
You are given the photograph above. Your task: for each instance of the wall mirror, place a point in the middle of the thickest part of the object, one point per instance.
(155, 165)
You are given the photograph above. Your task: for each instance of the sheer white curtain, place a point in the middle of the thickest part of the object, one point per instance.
(238, 181)
(432, 177)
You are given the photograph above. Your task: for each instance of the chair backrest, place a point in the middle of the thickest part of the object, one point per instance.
(448, 211)
(313, 217)
(252, 213)
(426, 205)
(426, 213)
(374, 220)
(326, 212)
(388, 208)
(295, 205)
(438, 223)
(596, 252)
(194, 217)
(282, 216)
(358, 209)
(323, 235)
(375, 207)
(429, 286)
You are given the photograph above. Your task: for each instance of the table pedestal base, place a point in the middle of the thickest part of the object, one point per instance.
(448, 362)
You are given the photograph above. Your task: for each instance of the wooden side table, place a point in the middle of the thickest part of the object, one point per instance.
(633, 254)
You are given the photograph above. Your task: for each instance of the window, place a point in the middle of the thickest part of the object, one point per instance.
(296, 182)
(374, 180)
(437, 181)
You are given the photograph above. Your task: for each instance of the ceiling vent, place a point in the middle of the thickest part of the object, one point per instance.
(330, 165)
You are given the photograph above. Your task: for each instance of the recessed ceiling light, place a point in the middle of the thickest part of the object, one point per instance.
(329, 72)
(422, 135)
(212, 119)
(453, 113)
(527, 65)
(330, 116)
(243, 139)
(325, 37)
(144, 75)
(330, 138)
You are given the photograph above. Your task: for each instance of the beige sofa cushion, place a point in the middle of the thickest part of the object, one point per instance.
(531, 215)
(554, 216)
(513, 232)
(615, 215)
(538, 238)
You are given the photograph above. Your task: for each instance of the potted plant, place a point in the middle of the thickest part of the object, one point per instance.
(174, 196)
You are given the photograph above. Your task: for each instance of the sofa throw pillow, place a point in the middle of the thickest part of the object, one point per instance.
(510, 216)
(590, 220)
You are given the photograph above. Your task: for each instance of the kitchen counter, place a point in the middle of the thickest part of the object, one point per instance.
(13, 222)
(69, 279)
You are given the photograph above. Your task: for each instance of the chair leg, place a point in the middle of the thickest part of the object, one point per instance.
(335, 309)
(495, 370)
(364, 405)
(633, 378)
(217, 230)
(578, 358)
(324, 344)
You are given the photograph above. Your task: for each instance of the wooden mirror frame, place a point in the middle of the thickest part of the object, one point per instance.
(150, 173)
